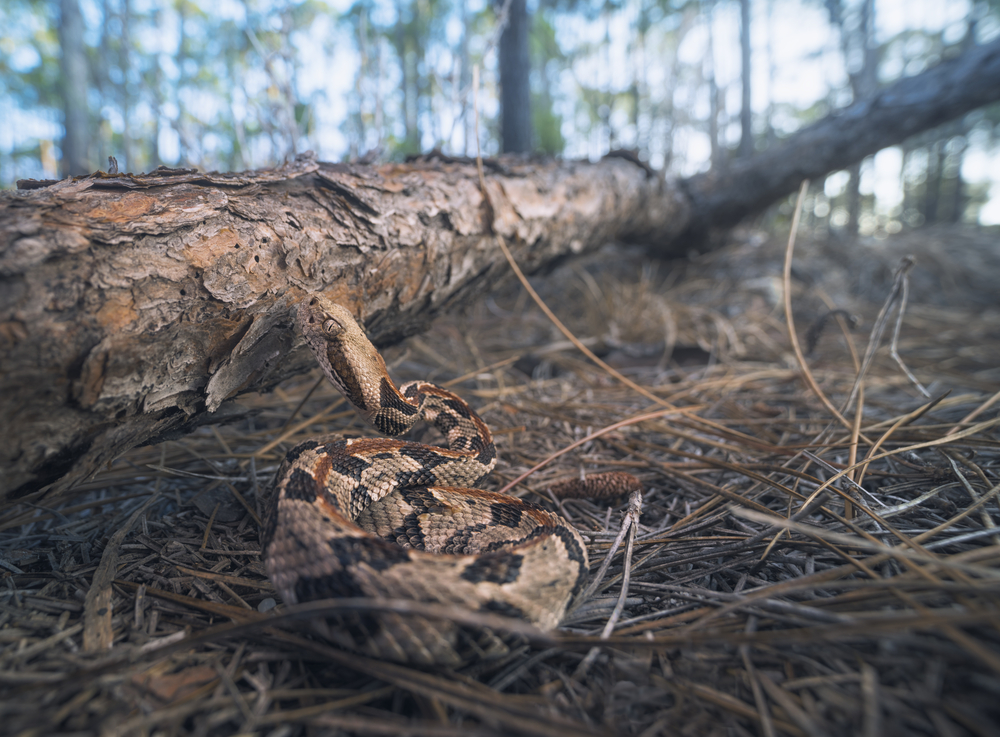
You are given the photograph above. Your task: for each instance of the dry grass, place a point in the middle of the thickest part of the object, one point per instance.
(790, 573)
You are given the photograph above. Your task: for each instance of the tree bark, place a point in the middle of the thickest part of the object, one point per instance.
(134, 308)
(404, 43)
(74, 74)
(746, 113)
(515, 88)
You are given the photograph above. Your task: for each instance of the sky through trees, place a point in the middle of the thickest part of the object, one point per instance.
(228, 85)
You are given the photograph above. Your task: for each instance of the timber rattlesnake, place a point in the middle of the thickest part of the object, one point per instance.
(384, 518)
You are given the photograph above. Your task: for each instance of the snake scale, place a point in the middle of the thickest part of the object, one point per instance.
(389, 519)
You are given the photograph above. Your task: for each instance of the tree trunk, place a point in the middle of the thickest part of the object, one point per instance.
(411, 82)
(746, 113)
(136, 307)
(515, 90)
(74, 75)
(958, 196)
(718, 159)
(465, 80)
(932, 187)
(853, 199)
(864, 83)
(128, 160)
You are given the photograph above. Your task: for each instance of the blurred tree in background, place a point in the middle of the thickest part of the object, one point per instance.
(689, 84)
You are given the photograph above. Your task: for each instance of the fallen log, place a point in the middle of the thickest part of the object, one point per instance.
(135, 307)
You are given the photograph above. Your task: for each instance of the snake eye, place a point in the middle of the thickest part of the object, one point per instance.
(331, 326)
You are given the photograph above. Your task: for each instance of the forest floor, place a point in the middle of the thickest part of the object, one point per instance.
(792, 572)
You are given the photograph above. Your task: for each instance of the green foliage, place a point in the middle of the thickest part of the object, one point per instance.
(220, 91)
(548, 125)
(29, 53)
(548, 62)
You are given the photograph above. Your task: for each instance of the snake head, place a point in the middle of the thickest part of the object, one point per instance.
(319, 314)
(344, 352)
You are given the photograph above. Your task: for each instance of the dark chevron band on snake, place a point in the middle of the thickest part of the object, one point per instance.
(384, 518)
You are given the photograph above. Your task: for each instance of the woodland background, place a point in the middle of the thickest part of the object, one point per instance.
(233, 85)
(797, 569)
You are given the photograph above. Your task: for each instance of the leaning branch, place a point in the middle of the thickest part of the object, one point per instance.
(904, 108)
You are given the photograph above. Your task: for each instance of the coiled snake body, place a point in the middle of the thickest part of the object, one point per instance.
(377, 517)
